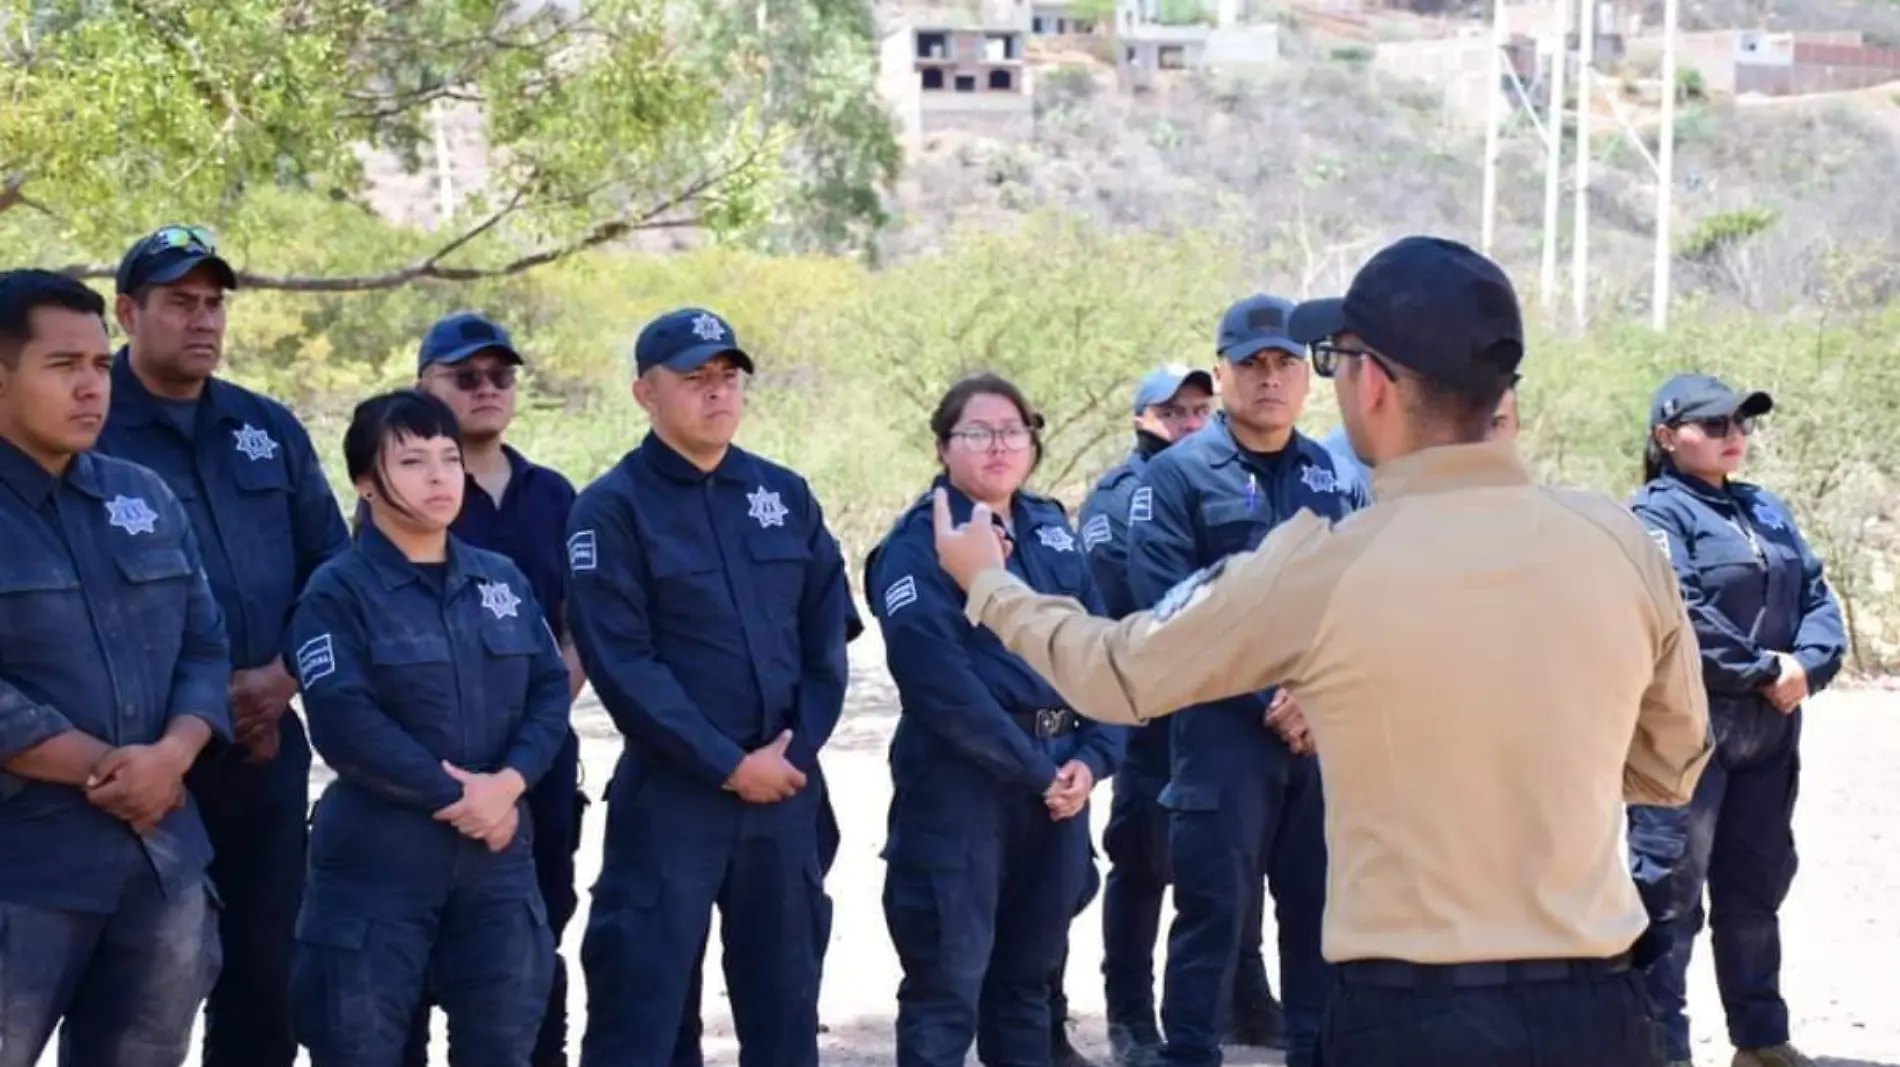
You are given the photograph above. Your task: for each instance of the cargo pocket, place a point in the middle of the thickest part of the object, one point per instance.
(821, 920)
(331, 990)
(929, 907)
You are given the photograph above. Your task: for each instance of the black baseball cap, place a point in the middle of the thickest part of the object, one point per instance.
(686, 340)
(1432, 305)
(168, 254)
(1688, 397)
(457, 337)
(1253, 325)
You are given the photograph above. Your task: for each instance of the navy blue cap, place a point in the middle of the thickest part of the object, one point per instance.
(1158, 386)
(1432, 305)
(1254, 325)
(168, 254)
(461, 335)
(686, 340)
(1688, 397)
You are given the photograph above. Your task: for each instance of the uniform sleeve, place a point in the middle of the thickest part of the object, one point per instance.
(937, 684)
(1105, 539)
(25, 723)
(556, 610)
(1820, 643)
(328, 653)
(1672, 742)
(1209, 638)
(608, 616)
(1103, 745)
(543, 729)
(1731, 660)
(317, 527)
(201, 680)
(825, 616)
(1161, 543)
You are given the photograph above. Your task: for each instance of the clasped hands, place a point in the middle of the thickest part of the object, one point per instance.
(1790, 688)
(259, 699)
(765, 776)
(489, 810)
(140, 784)
(1069, 792)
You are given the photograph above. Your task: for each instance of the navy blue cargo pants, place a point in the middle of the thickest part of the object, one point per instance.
(1266, 814)
(1737, 838)
(556, 806)
(128, 985)
(980, 918)
(257, 816)
(1551, 1013)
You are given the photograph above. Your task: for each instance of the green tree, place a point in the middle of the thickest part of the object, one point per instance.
(601, 120)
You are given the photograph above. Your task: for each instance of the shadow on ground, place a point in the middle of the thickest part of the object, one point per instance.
(1831, 1061)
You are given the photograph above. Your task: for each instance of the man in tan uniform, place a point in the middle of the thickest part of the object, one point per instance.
(1488, 668)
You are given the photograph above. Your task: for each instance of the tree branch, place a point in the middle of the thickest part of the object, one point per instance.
(11, 195)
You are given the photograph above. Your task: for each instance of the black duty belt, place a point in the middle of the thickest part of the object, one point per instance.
(1397, 974)
(1044, 723)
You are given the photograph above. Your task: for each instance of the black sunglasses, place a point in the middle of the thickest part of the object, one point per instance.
(469, 379)
(1719, 426)
(1327, 357)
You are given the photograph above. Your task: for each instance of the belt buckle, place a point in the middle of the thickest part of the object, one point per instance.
(1048, 721)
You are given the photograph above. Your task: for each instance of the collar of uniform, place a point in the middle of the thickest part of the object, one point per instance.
(1226, 447)
(31, 481)
(1721, 496)
(519, 469)
(735, 467)
(1147, 446)
(135, 405)
(1446, 468)
(961, 505)
(396, 570)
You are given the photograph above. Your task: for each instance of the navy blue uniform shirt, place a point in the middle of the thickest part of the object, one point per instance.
(528, 526)
(247, 475)
(402, 668)
(1207, 498)
(959, 687)
(1105, 541)
(710, 609)
(1752, 585)
(107, 626)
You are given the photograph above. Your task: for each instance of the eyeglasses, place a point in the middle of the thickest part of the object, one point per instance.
(193, 238)
(469, 379)
(1327, 357)
(1720, 426)
(983, 438)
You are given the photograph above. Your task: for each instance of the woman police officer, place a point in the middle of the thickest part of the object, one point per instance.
(988, 852)
(1771, 635)
(436, 693)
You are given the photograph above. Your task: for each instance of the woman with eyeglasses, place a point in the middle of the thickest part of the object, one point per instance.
(435, 692)
(988, 852)
(1771, 635)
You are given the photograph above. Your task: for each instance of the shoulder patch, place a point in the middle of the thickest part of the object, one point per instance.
(1661, 537)
(1141, 506)
(316, 660)
(1096, 531)
(1175, 600)
(901, 593)
(581, 555)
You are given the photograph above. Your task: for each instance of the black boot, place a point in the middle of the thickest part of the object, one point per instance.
(1259, 1024)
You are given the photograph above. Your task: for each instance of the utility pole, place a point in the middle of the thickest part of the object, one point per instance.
(1494, 120)
(1580, 229)
(1665, 170)
(1553, 163)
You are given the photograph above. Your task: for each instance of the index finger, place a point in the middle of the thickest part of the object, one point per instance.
(940, 511)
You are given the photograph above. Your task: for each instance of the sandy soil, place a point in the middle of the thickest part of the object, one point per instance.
(1841, 926)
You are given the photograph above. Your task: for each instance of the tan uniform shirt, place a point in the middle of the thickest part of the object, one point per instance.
(1489, 668)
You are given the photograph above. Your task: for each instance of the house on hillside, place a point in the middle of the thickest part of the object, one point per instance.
(1061, 18)
(1146, 45)
(946, 75)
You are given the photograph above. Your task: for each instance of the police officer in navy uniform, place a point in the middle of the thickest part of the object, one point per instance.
(1771, 635)
(1244, 795)
(520, 509)
(988, 852)
(1170, 403)
(265, 518)
(437, 694)
(710, 606)
(113, 676)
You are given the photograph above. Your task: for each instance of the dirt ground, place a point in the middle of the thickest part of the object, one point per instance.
(1841, 926)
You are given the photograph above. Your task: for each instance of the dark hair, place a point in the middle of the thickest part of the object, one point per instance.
(958, 396)
(1464, 411)
(21, 291)
(387, 418)
(1654, 460)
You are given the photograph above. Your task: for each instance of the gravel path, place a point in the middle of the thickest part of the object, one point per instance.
(1842, 924)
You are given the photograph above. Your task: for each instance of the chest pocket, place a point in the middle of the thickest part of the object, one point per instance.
(40, 608)
(263, 495)
(1232, 526)
(689, 582)
(511, 645)
(414, 680)
(778, 565)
